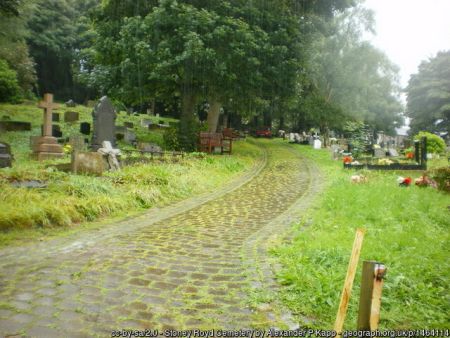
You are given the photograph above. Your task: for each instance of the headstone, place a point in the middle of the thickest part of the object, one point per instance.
(77, 143)
(55, 117)
(92, 163)
(71, 103)
(16, 125)
(379, 153)
(297, 138)
(47, 147)
(128, 124)
(291, 137)
(335, 151)
(149, 147)
(145, 123)
(56, 131)
(104, 116)
(85, 128)
(317, 144)
(392, 152)
(71, 116)
(5, 155)
(130, 136)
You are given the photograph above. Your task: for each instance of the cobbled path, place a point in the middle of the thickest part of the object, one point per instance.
(191, 267)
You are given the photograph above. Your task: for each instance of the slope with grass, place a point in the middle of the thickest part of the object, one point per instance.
(407, 229)
(71, 199)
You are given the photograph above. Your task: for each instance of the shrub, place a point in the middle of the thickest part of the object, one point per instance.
(442, 178)
(9, 86)
(435, 144)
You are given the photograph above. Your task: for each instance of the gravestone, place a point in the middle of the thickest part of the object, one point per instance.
(55, 117)
(47, 147)
(146, 123)
(392, 152)
(130, 136)
(16, 125)
(92, 163)
(128, 124)
(71, 116)
(379, 153)
(5, 155)
(77, 143)
(85, 128)
(149, 147)
(317, 144)
(104, 116)
(71, 103)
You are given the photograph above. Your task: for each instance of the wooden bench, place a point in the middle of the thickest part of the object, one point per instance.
(209, 141)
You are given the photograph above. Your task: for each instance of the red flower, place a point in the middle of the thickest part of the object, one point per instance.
(410, 155)
(407, 181)
(347, 159)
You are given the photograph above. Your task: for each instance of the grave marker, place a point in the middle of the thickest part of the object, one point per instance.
(85, 128)
(5, 155)
(104, 116)
(71, 116)
(47, 147)
(55, 117)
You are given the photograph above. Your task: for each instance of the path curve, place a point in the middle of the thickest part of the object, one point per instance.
(189, 266)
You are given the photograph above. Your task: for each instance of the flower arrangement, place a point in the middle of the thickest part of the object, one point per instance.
(404, 181)
(347, 159)
(385, 161)
(67, 149)
(410, 155)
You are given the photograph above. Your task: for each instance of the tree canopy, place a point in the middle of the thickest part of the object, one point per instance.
(429, 95)
(303, 63)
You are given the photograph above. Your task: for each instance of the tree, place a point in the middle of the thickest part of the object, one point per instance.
(355, 79)
(9, 87)
(428, 94)
(13, 47)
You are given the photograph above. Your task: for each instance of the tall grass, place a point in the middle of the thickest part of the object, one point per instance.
(407, 230)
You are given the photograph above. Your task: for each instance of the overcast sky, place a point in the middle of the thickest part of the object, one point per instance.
(409, 31)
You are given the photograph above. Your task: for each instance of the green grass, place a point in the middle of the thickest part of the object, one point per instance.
(407, 230)
(75, 199)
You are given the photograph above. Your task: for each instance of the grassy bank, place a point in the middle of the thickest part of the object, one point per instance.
(407, 229)
(70, 200)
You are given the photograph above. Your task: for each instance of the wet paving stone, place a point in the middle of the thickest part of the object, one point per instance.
(184, 271)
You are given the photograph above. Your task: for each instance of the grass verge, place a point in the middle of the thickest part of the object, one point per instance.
(407, 230)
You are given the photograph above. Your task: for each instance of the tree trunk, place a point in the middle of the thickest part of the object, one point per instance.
(187, 137)
(213, 115)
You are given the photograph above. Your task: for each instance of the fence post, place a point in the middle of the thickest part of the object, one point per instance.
(370, 297)
(347, 290)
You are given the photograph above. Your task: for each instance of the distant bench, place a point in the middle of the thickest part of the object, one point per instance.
(209, 141)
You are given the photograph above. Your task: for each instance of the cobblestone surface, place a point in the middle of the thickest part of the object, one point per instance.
(196, 264)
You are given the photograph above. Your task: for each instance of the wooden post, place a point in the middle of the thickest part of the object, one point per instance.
(370, 297)
(347, 290)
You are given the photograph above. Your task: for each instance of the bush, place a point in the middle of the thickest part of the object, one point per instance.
(442, 178)
(435, 144)
(183, 136)
(9, 86)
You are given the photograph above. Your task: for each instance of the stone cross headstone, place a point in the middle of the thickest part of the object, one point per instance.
(104, 116)
(48, 106)
(47, 147)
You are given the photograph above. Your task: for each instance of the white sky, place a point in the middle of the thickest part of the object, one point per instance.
(410, 31)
